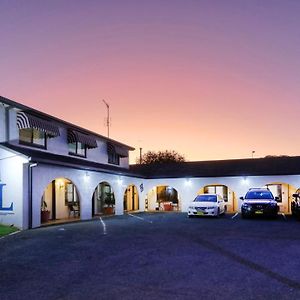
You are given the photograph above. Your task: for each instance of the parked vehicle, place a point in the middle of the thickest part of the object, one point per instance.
(259, 201)
(295, 206)
(207, 205)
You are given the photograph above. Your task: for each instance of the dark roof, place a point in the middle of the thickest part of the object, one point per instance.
(65, 123)
(67, 161)
(222, 168)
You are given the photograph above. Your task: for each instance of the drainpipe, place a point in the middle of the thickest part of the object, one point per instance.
(30, 173)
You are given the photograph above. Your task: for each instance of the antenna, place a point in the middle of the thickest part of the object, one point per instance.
(108, 120)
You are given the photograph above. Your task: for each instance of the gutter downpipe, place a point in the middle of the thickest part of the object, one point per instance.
(30, 176)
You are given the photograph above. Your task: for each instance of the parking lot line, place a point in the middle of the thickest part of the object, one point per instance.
(104, 226)
(235, 215)
(140, 218)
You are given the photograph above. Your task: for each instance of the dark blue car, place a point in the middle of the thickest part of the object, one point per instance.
(259, 201)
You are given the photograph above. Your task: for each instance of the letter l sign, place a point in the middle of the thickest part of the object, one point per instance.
(1, 200)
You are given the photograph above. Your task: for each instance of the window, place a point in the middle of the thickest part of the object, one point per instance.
(113, 158)
(77, 148)
(259, 195)
(33, 137)
(70, 194)
(206, 198)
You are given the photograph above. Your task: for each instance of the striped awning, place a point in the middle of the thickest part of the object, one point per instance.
(76, 136)
(114, 149)
(26, 120)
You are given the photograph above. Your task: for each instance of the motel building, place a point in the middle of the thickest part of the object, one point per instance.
(54, 171)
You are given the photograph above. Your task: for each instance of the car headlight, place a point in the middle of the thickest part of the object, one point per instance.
(191, 207)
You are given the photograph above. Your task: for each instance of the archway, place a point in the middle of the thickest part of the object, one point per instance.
(103, 201)
(224, 191)
(131, 198)
(60, 201)
(162, 198)
(284, 192)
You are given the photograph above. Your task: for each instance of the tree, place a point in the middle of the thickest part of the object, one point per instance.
(161, 157)
(273, 156)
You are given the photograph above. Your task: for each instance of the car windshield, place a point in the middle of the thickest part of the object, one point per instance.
(259, 195)
(206, 198)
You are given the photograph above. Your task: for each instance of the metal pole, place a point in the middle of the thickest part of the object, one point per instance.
(140, 155)
(107, 121)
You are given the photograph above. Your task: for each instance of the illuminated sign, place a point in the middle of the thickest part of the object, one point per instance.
(1, 200)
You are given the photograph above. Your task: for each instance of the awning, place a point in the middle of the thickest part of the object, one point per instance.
(76, 136)
(25, 121)
(113, 149)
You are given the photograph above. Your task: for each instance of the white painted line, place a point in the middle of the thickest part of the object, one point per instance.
(235, 215)
(104, 226)
(140, 218)
(283, 215)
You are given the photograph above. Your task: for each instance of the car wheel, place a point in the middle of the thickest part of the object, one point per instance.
(218, 213)
(244, 216)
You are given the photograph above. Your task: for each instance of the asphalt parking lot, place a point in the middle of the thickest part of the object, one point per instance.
(151, 256)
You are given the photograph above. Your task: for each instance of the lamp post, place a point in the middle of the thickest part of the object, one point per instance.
(141, 155)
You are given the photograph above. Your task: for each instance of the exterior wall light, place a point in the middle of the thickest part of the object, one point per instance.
(188, 182)
(60, 183)
(86, 176)
(245, 181)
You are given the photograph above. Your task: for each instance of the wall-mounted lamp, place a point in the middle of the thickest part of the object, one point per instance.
(188, 182)
(120, 181)
(60, 184)
(86, 176)
(245, 181)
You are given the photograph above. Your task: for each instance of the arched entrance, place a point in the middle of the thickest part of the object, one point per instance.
(162, 198)
(131, 198)
(103, 201)
(224, 191)
(284, 192)
(60, 201)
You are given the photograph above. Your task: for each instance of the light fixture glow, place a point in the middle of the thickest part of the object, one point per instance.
(188, 182)
(245, 181)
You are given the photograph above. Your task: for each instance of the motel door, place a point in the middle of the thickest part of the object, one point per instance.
(221, 190)
(276, 190)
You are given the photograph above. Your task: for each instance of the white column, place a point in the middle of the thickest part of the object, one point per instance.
(119, 198)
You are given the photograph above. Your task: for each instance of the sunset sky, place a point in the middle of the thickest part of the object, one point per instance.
(212, 79)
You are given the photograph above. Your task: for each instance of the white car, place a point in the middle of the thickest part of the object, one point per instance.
(207, 205)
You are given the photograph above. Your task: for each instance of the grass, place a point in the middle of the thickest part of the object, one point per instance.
(4, 230)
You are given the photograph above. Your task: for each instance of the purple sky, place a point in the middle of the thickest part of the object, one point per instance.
(210, 79)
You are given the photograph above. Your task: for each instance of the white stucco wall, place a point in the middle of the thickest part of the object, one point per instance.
(85, 182)
(11, 174)
(57, 145)
(188, 187)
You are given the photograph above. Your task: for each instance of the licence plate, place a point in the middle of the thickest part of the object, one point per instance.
(259, 212)
(200, 213)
